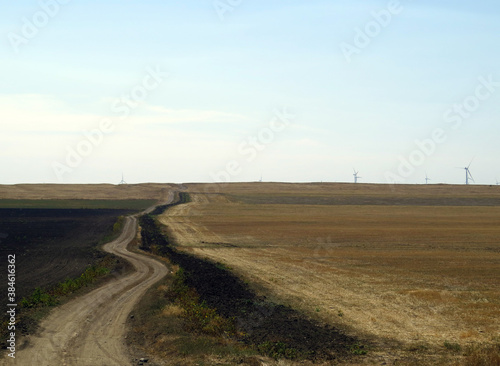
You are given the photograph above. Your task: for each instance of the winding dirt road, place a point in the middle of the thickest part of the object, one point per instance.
(90, 330)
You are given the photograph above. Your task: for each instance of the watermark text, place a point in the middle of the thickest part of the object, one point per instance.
(11, 305)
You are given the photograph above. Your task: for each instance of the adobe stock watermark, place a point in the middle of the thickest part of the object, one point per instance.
(323, 248)
(453, 119)
(11, 305)
(32, 25)
(364, 36)
(250, 147)
(123, 108)
(224, 6)
(255, 319)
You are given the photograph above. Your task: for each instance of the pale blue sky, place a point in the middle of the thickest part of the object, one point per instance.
(227, 76)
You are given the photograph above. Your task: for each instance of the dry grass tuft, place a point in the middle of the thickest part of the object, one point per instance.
(173, 310)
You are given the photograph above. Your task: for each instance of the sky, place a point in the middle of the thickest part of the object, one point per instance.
(238, 90)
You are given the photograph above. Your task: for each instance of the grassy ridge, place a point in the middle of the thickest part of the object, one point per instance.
(78, 204)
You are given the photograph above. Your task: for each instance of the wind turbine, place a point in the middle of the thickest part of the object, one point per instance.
(123, 180)
(468, 175)
(356, 177)
(427, 179)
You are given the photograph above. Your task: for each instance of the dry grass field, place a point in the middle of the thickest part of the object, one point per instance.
(85, 191)
(410, 269)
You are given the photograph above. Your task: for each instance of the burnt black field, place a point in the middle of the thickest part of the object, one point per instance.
(51, 245)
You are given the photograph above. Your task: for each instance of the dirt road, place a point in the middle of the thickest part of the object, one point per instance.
(90, 330)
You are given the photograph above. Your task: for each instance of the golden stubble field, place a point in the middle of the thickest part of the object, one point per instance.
(404, 267)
